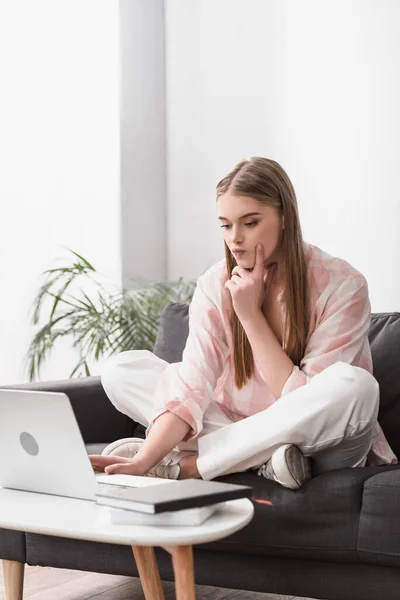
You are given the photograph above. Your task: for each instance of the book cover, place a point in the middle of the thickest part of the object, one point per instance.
(176, 495)
(189, 517)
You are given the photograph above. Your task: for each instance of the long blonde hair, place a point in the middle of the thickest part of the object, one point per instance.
(265, 180)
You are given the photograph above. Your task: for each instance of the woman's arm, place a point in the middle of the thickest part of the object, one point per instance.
(167, 431)
(187, 388)
(341, 335)
(184, 389)
(248, 291)
(275, 364)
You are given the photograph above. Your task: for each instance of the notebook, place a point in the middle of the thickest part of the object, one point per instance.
(189, 517)
(173, 496)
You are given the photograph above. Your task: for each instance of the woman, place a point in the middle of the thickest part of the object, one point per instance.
(277, 366)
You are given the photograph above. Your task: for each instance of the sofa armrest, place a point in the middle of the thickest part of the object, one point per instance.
(98, 419)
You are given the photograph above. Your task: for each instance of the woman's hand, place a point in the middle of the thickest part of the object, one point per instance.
(248, 289)
(167, 431)
(116, 464)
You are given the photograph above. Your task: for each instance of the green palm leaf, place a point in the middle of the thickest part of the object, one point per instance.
(98, 320)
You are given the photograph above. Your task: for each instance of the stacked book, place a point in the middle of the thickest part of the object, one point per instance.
(165, 502)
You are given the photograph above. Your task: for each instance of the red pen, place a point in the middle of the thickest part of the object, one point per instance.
(259, 501)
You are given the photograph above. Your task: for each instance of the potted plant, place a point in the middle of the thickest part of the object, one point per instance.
(75, 301)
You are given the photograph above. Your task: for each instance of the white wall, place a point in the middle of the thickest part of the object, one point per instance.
(313, 85)
(59, 156)
(143, 160)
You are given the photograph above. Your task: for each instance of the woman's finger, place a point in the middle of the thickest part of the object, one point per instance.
(99, 460)
(120, 468)
(243, 273)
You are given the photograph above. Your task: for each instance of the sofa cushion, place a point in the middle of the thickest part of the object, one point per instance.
(172, 332)
(379, 532)
(96, 448)
(319, 521)
(384, 338)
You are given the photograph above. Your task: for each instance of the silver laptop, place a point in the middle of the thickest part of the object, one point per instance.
(41, 446)
(42, 450)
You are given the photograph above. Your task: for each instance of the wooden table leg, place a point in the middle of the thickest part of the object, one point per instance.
(13, 574)
(182, 560)
(148, 572)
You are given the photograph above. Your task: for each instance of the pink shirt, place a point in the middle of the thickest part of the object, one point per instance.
(339, 323)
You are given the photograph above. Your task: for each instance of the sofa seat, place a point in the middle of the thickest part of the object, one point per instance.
(12, 545)
(321, 521)
(335, 518)
(379, 532)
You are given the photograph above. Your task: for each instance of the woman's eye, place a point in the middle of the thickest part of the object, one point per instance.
(251, 224)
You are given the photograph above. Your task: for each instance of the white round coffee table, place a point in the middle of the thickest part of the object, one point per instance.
(84, 520)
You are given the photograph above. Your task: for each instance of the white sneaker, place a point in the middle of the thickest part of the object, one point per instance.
(126, 447)
(167, 468)
(287, 466)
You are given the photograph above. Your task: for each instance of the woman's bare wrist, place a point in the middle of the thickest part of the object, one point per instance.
(142, 463)
(167, 431)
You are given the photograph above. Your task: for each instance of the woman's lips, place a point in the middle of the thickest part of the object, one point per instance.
(238, 252)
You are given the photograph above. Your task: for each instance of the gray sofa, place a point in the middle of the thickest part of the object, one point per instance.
(336, 538)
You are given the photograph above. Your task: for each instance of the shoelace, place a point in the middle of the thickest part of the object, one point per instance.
(162, 469)
(266, 470)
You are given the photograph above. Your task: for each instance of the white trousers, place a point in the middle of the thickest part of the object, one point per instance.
(331, 418)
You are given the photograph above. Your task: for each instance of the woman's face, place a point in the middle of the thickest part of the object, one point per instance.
(245, 223)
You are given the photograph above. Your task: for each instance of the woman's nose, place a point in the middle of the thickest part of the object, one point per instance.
(237, 239)
(237, 236)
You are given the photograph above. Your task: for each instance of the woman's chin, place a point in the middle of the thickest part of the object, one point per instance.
(244, 259)
(245, 263)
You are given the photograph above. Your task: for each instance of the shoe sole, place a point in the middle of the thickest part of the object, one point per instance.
(291, 468)
(108, 450)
